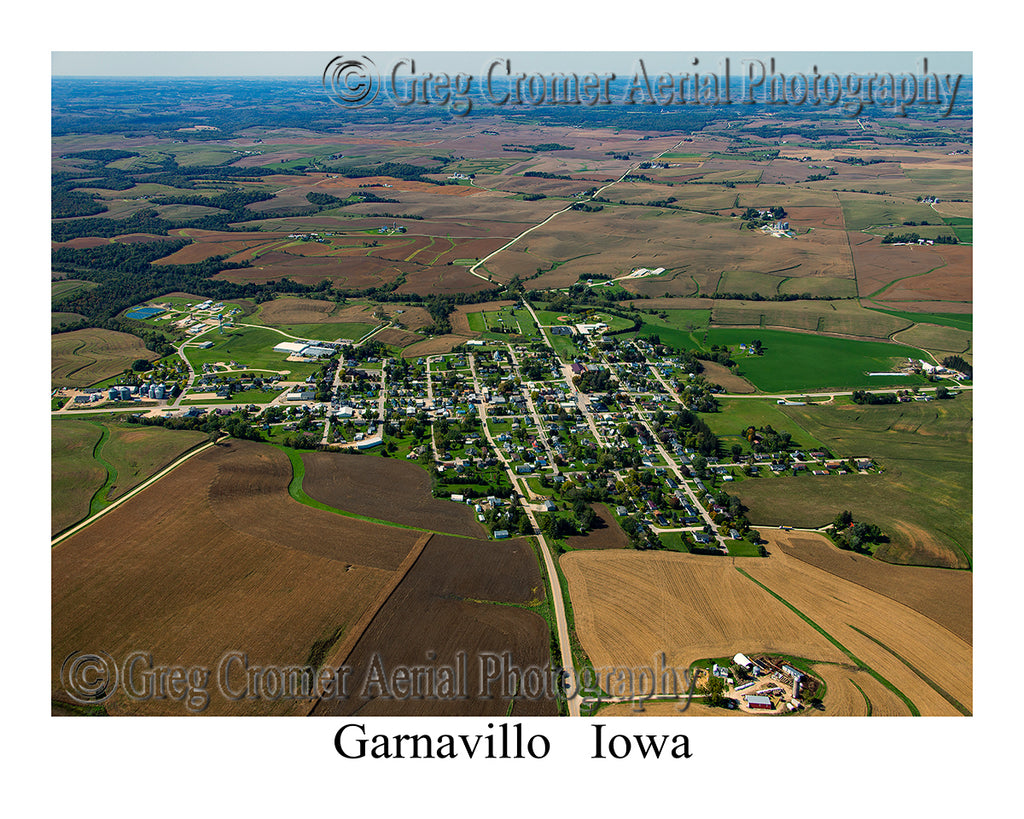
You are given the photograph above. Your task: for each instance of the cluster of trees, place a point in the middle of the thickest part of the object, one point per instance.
(234, 425)
(853, 535)
(913, 238)
(595, 381)
(774, 213)
(398, 170)
(767, 439)
(540, 147)
(545, 175)
(955, 362)
(865, 397)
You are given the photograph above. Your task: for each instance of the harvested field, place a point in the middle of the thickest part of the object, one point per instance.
(695, 607)
(725, 378)
(939, 594)
(845, 700)
(630, 606)
(287, 310)
(913, 272)
(218, 558)
(442, 281)
(83, 357)
(606, 534)
(932, 337)
(461, 595)
(438, 345)
(394, 337)
(905, 647)
(386, 489)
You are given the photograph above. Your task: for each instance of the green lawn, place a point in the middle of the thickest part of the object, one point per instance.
(806, 362)
(251, 346)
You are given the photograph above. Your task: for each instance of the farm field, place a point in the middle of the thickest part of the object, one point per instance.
(95, 461)
(925, 453)
(606, 534)
(385, 489)
(480, 598)
(75, 475)
(694, 607)
(711, 608)
(939, 594)
(83, 357)
(282, 584)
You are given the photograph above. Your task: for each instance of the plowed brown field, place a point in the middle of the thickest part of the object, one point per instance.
(455, 600)
(216, 558)
(386, 489)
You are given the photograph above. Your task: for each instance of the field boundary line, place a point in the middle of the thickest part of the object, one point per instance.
(859, 663)
(338, 657)
(959, 706)
(133, 492)
(864, 586)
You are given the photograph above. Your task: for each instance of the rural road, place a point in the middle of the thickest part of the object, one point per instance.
(557, 601)
(600, 190)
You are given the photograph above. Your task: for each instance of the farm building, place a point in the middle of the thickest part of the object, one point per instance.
(500, 534)
(757, 701)
(290, 347)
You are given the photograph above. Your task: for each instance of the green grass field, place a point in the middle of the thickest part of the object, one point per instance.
(325, 331)
(801, 361)
(735, 415)
(252, 346)
(862, 211)
(962, 321)
(922, 496)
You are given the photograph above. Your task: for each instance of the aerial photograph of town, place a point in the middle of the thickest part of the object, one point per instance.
(607, 388)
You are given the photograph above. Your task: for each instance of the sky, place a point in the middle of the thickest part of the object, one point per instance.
(311, 63)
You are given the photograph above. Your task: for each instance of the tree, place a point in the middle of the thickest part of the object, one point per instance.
(141, 365)
(715, 689)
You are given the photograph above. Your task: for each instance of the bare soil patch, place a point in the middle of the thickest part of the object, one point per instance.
(462, 597)
(726, 378)
(606, 534)
(387, 489)
(397, 338)
(170, 573)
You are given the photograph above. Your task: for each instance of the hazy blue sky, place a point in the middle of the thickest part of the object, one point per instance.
(290, 63)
